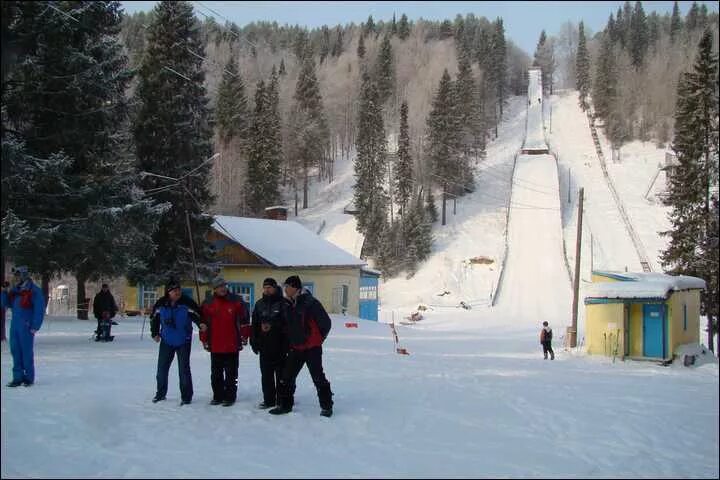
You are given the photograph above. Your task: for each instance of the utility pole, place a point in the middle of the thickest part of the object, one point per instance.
(572, 330)
(569, 181)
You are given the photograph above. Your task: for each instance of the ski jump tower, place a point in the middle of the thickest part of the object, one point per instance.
(535, 143)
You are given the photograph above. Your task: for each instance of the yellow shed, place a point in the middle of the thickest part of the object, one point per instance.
(641, 315)
(249, 250)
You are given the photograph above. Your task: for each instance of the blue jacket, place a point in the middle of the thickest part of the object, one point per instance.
(27, 304)
(174, 322)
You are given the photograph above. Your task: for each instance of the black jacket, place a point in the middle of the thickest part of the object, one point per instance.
(104, 302)
(306, 311)
(273, 310)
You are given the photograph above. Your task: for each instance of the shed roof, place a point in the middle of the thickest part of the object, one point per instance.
(283, 243)
(642, 285)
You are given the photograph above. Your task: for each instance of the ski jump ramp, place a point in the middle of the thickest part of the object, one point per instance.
(534, 284)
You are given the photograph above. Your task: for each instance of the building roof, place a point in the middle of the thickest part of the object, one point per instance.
(283, 243)
(642, 285)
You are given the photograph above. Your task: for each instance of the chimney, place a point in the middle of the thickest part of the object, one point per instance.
(277, 212)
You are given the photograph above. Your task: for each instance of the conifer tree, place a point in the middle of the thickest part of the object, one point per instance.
(403, 27)
(693, 249)
(361, 47)
(231, 113)
(337, 49)
(393, 26)
(582, 68)
(310, 130)
(675, 23)
(605, 86)
(77, 200)
(263, 159)
(385, 71)
(499, 59)
(324, 44)
(545, 59)
(172, 138)
(370, 197)
(431, 208)
(281, 71)
(638, 36)
(404, 166)
(369, 26)
(443, 138)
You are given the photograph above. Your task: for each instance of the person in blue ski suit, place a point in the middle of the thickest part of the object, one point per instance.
(26, 301)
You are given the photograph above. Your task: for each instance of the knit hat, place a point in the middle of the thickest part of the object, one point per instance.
(22, 272)
(172, 284)
(293, 281)
(269, 282)
(218, 282)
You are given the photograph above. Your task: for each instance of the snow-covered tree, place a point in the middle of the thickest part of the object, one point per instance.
(385, 71)
(582, 68)
(692, 249)
(404, 165)
(172, 136)
(370, 196)
(232, 119)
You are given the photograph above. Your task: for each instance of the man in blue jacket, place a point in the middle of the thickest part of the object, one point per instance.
(26, 301)
(171, 326)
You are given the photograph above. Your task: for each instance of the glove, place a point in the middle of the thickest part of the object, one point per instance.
(255, 350)
(206, 346)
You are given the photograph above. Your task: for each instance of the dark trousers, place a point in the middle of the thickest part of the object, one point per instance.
(165, 358)
(547, 347)
(293, 364)
(271, 367)
(223, 375)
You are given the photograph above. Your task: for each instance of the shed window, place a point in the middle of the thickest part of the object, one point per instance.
(685, 317)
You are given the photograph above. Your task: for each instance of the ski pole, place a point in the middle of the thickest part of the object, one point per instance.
(143, 327)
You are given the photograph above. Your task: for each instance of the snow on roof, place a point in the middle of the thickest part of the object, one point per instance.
(283, 243)
(642, 285)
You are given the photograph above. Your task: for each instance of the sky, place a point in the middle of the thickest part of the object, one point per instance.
(523, 19)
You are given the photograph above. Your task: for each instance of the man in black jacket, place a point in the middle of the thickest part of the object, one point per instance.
(308, 327)
(104, 309)
(269, 338)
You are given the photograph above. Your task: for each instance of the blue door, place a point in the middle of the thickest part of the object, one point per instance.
(369, 297)
(654, 330)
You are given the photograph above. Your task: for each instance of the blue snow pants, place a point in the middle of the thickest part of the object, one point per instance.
(21, 347)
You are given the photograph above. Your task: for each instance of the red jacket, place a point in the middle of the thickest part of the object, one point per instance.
(227, 322)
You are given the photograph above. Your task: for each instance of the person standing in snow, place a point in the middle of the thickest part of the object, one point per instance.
(308, 327)
(546, 341)
(227, 332)
(104, 309)
(171, 326)
(26, 301)
(269, 338)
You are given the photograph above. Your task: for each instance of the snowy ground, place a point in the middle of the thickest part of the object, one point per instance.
(473, 399)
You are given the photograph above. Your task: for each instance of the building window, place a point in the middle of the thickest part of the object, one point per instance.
(368, 292)
(148, 297)
(685, 317)
(310, 287)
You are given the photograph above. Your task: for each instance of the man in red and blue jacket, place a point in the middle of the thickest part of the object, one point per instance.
(228, 330)
(308, 325)
(28, 310)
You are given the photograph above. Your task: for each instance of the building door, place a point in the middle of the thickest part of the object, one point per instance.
(653, 330)
(626, 330)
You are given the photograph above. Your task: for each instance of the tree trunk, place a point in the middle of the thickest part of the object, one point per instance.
(444, 198)
(2, 310)
(82, 305)
(45, 285)
(305, 186)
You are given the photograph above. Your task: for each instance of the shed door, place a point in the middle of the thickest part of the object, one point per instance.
(653, 331)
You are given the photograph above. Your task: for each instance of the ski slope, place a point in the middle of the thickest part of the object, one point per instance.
(535, 255)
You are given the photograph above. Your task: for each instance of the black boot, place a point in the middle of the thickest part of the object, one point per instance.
(280, 410)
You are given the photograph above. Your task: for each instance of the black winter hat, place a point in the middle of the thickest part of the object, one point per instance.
(269, 282)
(293, 281)
(172, 284)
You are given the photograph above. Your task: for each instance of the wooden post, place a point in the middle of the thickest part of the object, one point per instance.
(572, 330)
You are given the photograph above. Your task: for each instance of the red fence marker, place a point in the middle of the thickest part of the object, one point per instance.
(351, 325)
